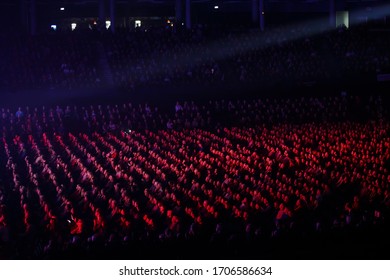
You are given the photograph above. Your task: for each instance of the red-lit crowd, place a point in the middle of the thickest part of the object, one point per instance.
(276, 170)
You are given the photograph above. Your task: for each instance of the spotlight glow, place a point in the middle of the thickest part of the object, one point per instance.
(221, 48)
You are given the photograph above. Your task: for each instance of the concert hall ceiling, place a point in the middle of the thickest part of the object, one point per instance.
(82, 8)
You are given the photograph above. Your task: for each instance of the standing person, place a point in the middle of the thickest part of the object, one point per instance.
(19, 113)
